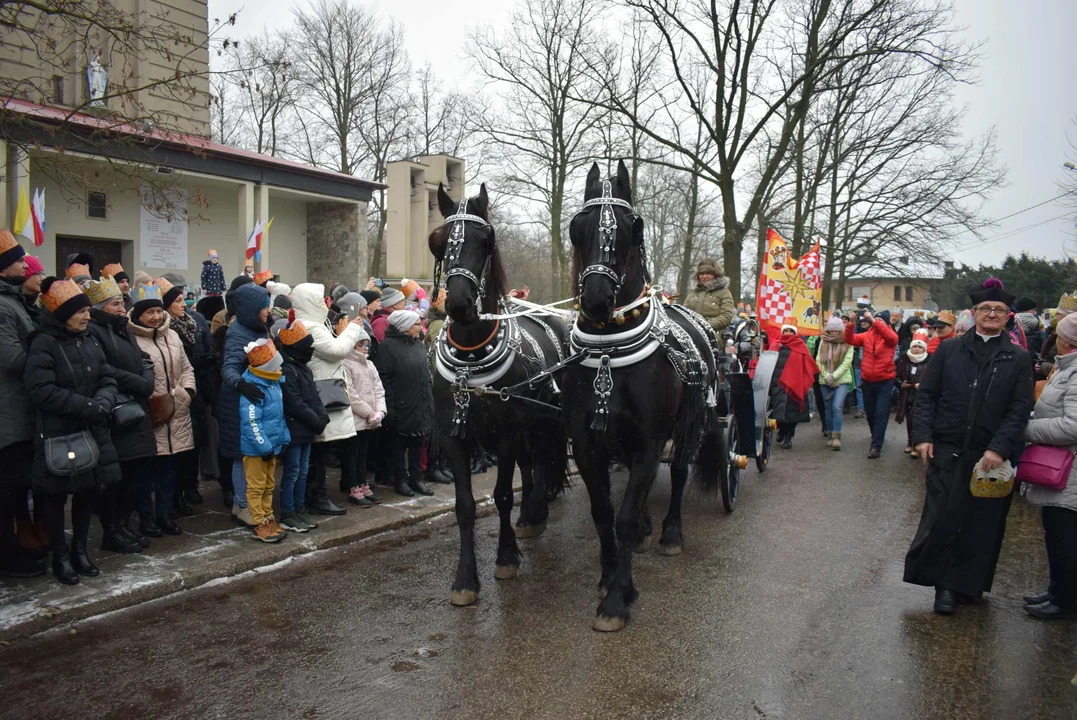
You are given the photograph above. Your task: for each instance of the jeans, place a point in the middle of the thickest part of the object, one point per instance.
(159, 480)
(859, 389)
(877, 408)
(239, 482)
(260, 482)
(293, 483)
(833, 402)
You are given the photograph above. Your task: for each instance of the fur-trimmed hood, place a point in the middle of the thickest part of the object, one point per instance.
(718, 283)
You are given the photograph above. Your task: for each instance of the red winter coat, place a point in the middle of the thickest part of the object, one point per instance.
(879, 343)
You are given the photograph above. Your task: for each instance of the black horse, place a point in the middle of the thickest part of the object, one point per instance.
(650, 376)
(475, 353)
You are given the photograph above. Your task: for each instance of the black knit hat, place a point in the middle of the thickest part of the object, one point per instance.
(64, 300)
(81, 259)
(170, 296)
(239, 281)
(370, 296)
(1025, 305)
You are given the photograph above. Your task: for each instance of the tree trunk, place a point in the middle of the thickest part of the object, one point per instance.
(689, 238)
(732, 245)
(762, 225)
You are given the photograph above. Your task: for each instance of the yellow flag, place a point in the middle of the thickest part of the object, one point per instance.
(22, 214)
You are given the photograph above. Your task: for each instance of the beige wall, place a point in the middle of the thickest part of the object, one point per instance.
(411, 216)
(881, 292)
(27, 58)
(215, 224)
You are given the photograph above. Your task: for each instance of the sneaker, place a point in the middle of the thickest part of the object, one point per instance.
(301, 513)
(267, 532)
(370, 494)
(291, 521)
(242, 515)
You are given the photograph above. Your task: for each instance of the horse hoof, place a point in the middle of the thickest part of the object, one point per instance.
(463, 598)
(505, 572)
(669, 550)
(602, 623)
(530, 531)
(644, 545)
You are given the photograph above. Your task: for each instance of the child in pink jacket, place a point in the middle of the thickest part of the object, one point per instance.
(368, 410)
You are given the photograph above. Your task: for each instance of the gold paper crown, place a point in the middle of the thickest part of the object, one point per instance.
(260, 352)
(261, 278)
(102, 290)
(59, 292)
(110, 270)
(1068, 302)
(7, 241)
(149, 292)
(293, 333)
(77, 270)
(947, 317)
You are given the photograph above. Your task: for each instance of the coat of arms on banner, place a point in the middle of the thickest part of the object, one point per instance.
(789, 289)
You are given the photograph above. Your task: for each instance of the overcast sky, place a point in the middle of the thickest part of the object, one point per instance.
(1027, 92)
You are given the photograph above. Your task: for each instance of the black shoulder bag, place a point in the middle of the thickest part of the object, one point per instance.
(71, 454)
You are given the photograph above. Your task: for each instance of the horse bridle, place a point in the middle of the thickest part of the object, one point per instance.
(607, 237)
(451, 259)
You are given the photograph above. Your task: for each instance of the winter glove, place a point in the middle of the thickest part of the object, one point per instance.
(250, 391)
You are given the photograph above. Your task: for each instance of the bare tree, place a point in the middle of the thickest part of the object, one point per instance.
(267, 88)
(543, 134)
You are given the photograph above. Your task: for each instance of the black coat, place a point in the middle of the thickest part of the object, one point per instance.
(908, 372)
(405, 374)
(303, 409)
(133, 372)
(70, 396)
(973, 399)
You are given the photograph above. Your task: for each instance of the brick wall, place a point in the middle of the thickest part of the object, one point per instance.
(336, 243)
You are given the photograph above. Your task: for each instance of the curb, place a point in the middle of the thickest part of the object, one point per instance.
(54, 616)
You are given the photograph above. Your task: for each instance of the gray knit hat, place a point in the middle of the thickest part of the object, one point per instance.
(391, 297)
(351, 302)
(402, 320)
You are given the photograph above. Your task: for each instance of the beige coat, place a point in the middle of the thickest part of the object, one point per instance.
(1054, 422)
(714, 302)
(365, 390)
(172, 374)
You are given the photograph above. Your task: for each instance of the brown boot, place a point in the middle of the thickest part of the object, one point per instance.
(835, 441)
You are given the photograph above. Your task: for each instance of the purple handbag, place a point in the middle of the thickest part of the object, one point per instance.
(1045, 465)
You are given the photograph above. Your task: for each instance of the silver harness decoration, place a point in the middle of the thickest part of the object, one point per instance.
(607, 235)
(452, 252)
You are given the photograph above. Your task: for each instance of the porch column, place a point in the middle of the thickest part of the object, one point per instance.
(246, 220)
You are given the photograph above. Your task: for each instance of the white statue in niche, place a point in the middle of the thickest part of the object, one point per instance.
(97, 77)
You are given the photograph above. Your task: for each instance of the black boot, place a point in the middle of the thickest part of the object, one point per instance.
(192, 496)
(125, 529)
(479, 465)
(401, 488)
(148, 526)
(80, 561)
(318, 502)
(116, 540)
(62, 568)
(182, 509)
(18, 562)
(441, 474)
(490, 459)
(229, 497)
(944, 602)
(419, 489)
(168, 525)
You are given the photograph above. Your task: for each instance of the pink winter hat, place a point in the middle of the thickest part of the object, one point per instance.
(33, 266)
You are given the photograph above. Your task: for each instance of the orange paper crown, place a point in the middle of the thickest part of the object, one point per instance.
(947, 317)
(111, 269)
(163, 284)
(59, 292)
(77, 270)
(294, 332)
(260, 352)
(7, 241)
(261, 278)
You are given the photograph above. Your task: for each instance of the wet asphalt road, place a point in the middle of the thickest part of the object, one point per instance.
(791, 607)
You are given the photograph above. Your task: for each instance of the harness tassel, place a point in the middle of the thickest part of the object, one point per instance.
(462, 400)
(603, 388)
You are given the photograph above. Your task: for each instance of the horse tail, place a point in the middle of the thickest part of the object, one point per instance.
(712, 457)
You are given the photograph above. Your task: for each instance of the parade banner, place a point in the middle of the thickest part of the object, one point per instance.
(789, 289)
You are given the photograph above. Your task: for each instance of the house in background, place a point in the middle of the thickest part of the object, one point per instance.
(892, 290)
(215, 193)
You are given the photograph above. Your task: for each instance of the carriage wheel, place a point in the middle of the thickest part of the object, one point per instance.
(731, 480)
(763, 457)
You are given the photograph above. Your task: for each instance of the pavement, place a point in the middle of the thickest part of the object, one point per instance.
(792, 607)
(211, 547)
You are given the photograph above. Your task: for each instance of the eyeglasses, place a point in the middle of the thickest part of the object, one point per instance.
(993, 312)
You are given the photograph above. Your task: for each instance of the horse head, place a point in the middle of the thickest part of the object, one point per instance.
(465, 248)
(607, 238)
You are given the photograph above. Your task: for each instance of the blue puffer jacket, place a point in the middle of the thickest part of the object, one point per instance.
(247, 303)
(263, 429)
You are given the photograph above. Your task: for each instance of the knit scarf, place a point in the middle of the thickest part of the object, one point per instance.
(916, 358)
(799, 371)
(832, 350)
(185, 328)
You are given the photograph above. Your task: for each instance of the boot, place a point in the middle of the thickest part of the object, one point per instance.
(168, 525)
(179, 503)
(442, 474)
(148, 526)
(418, 488)
(192, 496)
(318, 501)
(28, 537)
(944, 602)
(228, 497)
(80, 561)
(116, 541)
(401, 488)
(835, 443)
(126, 531)
(62, 568)
(479, 466)
(18, 562)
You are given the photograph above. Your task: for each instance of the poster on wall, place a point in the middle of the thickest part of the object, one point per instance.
(163, 228)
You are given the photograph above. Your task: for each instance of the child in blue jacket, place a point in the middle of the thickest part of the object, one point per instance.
(263, 435)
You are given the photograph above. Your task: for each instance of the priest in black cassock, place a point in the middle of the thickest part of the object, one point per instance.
(974, 400)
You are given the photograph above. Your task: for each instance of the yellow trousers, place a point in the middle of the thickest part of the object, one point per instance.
(260, 484)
